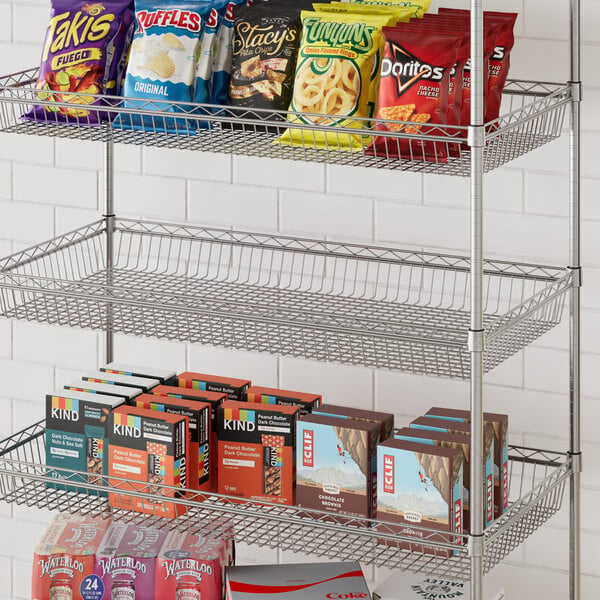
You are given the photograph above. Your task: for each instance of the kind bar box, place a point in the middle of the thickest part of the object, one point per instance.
(458, 427)
(164, 376)
(335, 465)
(198, 414)
(256, 449)
(119, 391)
(146, 446)
(234, 388)
(215, 399)
(63, 562)
(316, 581)
(143, 384)
(306, 402)
(499, 424)
(385, 420)
(77, 435)
(191, 567)
(420, 484)
(126, 560)
(406, 586)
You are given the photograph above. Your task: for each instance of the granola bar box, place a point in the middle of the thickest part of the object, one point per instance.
(150, 450)
(144, 384)
(120, 391)
(165, 376)
(306, 402)
(234, 388)
(256, 449)
(385, 420)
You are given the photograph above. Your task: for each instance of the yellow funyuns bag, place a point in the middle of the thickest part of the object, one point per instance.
(419, 7)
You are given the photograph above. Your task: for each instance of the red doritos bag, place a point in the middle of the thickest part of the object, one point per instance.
(414, 87)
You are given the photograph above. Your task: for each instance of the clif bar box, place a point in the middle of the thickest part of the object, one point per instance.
(256, 447)
(198, 414)
(234, 388)
(164, 376)
(77, 435)
(421, 484)
(64, 558)
(316, 581)
(142, 383)
(119, 391)
(148, 447)
(435, 424)
(385, 420)
(306, 402)
(335, 465)
(499, 423)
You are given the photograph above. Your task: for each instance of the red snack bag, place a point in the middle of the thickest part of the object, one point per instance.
(414, 87)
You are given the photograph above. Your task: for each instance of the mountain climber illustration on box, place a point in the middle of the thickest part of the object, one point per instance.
(424, 479)
(343, 453)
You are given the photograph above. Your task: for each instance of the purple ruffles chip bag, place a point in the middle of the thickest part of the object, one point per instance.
(83, 59)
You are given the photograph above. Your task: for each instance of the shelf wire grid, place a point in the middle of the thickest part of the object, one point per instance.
(532, 115)
(353, 304)
(537, 483)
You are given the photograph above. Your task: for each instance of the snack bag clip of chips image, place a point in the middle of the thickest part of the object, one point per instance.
(83, 59)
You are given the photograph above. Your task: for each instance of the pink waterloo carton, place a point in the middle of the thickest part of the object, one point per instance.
(126, 561)
(190, 567)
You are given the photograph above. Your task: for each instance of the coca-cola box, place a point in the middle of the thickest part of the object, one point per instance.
(126, 561)
(63, 561)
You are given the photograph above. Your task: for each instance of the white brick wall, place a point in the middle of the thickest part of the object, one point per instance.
(51, 186)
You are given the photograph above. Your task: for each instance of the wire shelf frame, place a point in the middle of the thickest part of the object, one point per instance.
(532, 115)
(537, 483)
(368, 306)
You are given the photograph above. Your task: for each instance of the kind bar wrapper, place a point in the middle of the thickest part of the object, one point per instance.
(414, 88)
(118, 391)
(418, 7)
(315, 581)
(63, 561)
(499, 424)
(126, 560)
(148, 447)
(335, 465)
(77, 425)
(164, 376)
(306, 402)
(256, 449)
(83, 53)
(191, 567)
(433, 424)
(420, 484)
(265, 46)
(198, 414)
(234, 388)
(338, 53)
(144, 384)
(385, 420)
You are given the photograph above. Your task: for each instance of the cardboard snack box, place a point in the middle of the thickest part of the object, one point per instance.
(234, 388)
(385, 420)
(499, 423)
(146, 446)
(64, 558)
(458, 427)
(215, 399)
(120, 391)
(144, 384)
(307, 581)
(256, 451)
(164, 376)
(77, 435)
(422, 485)
(336, 466)
(198, 415)
(306, 402)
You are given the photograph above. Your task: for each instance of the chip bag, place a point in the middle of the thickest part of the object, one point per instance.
(418, 7)
(84, 53)
(333, 75)
(414, 87)
(206, 60)
(163, 63)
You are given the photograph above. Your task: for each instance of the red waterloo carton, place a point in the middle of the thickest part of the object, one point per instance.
(215, 399)
(256, 447)
(147, 446)
(198, 414)
(306, 402)
(63, 561)
(234, 388)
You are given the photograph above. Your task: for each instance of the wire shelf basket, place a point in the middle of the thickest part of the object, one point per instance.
(368, 306)
(537, 483)
(532, 115)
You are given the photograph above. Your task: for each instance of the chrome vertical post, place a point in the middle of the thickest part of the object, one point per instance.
(476, 336)
(109, 218)
(575, 310)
